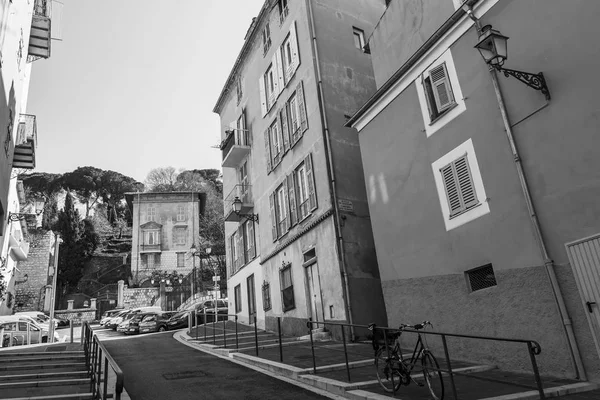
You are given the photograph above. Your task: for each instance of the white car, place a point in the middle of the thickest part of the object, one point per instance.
(17, 325)
(42, 319)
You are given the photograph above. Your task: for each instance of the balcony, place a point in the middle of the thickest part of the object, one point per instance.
(235, 147)
(19, 248)
(25, 143)
(150, 248)
(244, 192)
(40, 36)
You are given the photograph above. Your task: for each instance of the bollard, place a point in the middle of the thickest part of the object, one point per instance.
(280, 345)
(256, 335)
(346, 352)
(204, 320)
(224, 339)
(71, 329)
(312, 344)
(236, 333)
(196, 318)
(449, 366)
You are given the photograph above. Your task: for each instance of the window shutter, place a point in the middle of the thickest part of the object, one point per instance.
(451, 187)
(465, 182)
(441, 87)
(280, 72)
(285, 133)
(241, 247)
(263, 95)
(276, 86)
(232, 246)
(286, 201)
(251, 241)
(268, 150)
(301, 108)
(310, 179)
(292, 199)
(273, 216)
(429, 98)
(245, 133)
(295, 52)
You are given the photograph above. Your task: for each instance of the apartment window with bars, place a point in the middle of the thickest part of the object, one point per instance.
(481, 278)
(266, 296)
(287, 288)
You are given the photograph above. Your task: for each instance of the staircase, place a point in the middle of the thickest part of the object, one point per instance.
(37, 375)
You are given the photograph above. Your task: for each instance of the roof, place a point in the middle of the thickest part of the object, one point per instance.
(417, 55)
(268, 4)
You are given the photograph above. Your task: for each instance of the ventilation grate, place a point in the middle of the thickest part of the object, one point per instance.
(481, 278)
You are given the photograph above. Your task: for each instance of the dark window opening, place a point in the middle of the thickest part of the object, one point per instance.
(481, 278)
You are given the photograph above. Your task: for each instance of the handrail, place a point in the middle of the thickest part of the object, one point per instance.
(533, 348)
(98, 361)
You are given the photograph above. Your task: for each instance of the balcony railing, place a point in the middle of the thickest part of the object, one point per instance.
(26, 142)
(40, 36)
(150, 248)
(235, 147)
(244, 192)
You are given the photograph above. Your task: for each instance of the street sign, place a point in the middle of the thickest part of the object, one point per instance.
(216, 278)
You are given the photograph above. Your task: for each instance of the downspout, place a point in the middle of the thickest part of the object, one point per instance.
(548, 262)
(330, 170)
(137, 258)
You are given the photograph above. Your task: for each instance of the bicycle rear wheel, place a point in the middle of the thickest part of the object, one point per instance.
(433, 376)
(387, 375)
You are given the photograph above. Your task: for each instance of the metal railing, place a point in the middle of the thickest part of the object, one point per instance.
(101, 366)
(27, 129)
(533, 349)
(243, 192)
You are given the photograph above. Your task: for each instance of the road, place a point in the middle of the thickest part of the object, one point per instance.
(156, 366)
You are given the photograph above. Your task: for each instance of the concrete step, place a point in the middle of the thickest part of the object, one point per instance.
(45, 376)
(70, 366)
(72, 396)
(60, 391)
(43, 383)
(13, 354)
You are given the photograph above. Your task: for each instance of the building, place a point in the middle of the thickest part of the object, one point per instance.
(165, 226)
(300, 246)
(25, 36)
(483, 191)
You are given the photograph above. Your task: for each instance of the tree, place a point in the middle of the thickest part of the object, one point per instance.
(112, 189)
(86, 183)
(163, 179)
(45, 186)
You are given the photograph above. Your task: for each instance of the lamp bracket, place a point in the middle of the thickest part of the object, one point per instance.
(14, 217)
(535, 81)
(249, 217)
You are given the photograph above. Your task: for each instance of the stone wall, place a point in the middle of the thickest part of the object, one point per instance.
(139, 297)
(77, 315)
(30, 291)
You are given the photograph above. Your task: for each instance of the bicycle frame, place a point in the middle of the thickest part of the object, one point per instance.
(416, 355)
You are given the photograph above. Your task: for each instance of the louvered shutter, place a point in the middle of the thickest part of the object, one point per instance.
(310, 179)
(275, 69)
(233, 247)
(295, 51)
(465, 182)
(273, 216)
(280, 72)
(268, 150)
(245, 133)
(241, 246)
(251, 241)
(452, 191)
(285, 132)
(263, 97)
(301, 108)
(292, 199)
(286, 202)
(442, 91)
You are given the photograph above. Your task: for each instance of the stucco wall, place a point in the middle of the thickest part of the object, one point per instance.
(77, 315)
(240, 278)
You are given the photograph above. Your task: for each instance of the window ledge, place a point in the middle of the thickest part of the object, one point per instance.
(465, 211)
(440, 116)
(289, 309)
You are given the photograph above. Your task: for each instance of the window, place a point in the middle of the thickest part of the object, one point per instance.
(243, 246)
(302, 192)
(151, 213)
(460, 186)
(287, 288)
(439, 93)
(270, 82)
(181, 259)
(180, 236)
(481, 278)
(242, 136)
(151, 238)
(290, 56)
(359, 38)
(180, 213)
(283, 10)
(151, 260)
(266, 38)
(275, 143)
(238, 89)
(294, 113)
(251, 296)
(243, 180)
(281, 210)
(266, 296)
(237, 291)
(249, 239)
(297, 114)
(234, 253)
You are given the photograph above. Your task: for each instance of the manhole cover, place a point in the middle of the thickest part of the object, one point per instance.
(185, 375)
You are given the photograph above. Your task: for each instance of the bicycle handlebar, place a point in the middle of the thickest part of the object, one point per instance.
(422, 325)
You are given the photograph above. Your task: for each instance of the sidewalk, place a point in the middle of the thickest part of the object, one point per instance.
(296, 361)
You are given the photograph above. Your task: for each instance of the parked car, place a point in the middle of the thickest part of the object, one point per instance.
(209, 307)
(108, 315)
(116, 319)
(16, 326)
(155, 321)
(42, 319)
(61, 321)
(179, 320)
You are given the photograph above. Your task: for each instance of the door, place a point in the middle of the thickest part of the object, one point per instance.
(251, 298)
(314, 292)
(584, 256)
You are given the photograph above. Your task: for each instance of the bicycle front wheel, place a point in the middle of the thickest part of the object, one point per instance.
(387, 375)
(433, 376)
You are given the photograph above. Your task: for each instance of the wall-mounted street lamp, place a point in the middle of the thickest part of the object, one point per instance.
(237, 208)
(39, 208)
(493, 48)
(167, 280)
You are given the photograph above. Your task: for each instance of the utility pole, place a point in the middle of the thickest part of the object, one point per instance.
(57, 243)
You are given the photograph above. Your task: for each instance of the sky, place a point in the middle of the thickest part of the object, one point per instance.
(132, 84)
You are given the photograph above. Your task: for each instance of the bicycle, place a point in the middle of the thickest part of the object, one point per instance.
(393, 370)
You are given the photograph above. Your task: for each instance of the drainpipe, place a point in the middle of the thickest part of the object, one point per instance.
(548, 262)
(330, 170)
